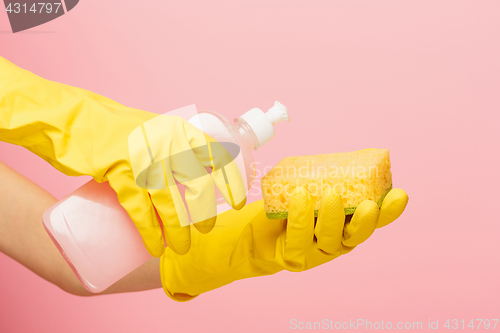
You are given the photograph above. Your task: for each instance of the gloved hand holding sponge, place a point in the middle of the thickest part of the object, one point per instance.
(301, 227)
(258, 240)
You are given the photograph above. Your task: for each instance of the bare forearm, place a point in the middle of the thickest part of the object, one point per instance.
(23, 238)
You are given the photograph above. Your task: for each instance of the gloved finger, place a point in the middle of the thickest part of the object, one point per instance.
(229, 181)
(392, 207)
(138, 205)
(170, 207)
(220, 157)
(362, 225)
(300, 224)
(199, 189)
(330, 223)
(201, 202)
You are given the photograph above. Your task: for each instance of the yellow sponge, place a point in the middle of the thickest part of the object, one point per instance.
(357, 176)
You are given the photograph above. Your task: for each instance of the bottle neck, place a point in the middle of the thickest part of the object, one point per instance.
(246, 134)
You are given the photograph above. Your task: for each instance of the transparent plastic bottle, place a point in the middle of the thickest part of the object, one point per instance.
(95, 234)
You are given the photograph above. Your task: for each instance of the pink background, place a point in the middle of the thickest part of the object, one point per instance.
(420, 77)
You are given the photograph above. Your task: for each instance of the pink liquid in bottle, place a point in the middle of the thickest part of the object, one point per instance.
(95, 235)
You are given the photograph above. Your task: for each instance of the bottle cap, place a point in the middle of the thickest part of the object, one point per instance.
(262, 123)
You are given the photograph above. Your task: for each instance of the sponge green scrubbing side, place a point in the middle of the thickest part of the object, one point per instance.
(348, 210)
(357, 176)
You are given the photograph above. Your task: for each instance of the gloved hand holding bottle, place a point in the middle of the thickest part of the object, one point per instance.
(247, 244)
(82, 133)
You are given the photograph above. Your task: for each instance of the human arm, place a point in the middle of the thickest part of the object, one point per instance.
(24, 239)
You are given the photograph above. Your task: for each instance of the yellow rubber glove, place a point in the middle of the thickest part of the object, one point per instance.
(247, 244)
(82, 133)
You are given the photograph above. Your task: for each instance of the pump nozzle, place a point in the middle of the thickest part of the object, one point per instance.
(262, 123)
(277, 113)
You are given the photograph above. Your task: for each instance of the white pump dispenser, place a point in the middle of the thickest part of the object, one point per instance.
(262, 123)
